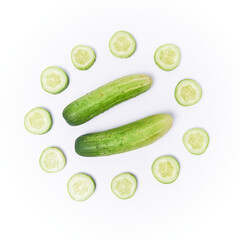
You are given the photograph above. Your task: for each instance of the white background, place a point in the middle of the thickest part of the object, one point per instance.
(204, 201)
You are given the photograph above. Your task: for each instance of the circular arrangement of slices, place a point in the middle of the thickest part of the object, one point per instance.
(165, 169)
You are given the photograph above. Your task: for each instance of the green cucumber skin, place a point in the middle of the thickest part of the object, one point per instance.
(98, 101)
(125, 138)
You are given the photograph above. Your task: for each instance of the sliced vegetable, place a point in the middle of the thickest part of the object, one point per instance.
(188, 92)
(54, 80)
(83, 57)
(167, 57)
(52, 160)
(125, 138)
(105, 97)
(38, 121)
(124, 185)
(165, 169)
(122, 44)
(80, 187)
(196, 140)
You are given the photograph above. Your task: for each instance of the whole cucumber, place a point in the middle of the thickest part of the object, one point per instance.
(125, 138)
(98, 101)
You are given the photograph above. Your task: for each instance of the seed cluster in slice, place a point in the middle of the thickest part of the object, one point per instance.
(83, 57)
(196, 140)
(122, 44)
(80, 187)
(52, 160)
(54, 80)
(38, 121)
(124, 185)
(165, 169)
(188, 92)
(167, 57)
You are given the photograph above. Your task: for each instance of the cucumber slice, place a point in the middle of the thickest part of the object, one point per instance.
(54, 80)
(80, 187)
(165, 169)
(196, 140)
(188, 92)
(122, 44)
(83, 57)
(52, 160)
(38, 121)
(124, 185)
(167, 57)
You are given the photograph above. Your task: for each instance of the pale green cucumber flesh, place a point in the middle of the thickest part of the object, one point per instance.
(188, 92)
(122, 44)
(167, 57)
(124, 185)
(52, 160)
(105, 97)
(125, 138)
(196, 140)
(80, 187)
(54, 80)
(38, 121)
(83, 57)
(165, 169)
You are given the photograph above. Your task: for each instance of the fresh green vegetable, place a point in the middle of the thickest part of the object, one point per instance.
(196, 140)
(83, 57)
(165, 169)
(124, 185)
(188, 92)
(105, 97)
(167, 57)
(54, 80)
(125, 138)
(52, 160)
(122, 44)
(80, 187)
(38, 121)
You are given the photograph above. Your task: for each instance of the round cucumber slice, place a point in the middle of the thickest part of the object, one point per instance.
(188, 92)
(124, 185)
(80, 187)
(165, 169)
(196, 140)
(83, 57)
(52, 160)
(122, 44)
(54, 80)
(38, 121)
(167, 57)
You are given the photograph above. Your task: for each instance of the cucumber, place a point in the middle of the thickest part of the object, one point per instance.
(167, 57)
(188, 92)
(124, 185)
(52, 160)
(122, 44)
(83, 57)
(165, 169)
(80, 187)
(196, 140)
(54, 80)
(105, 97)
(125, 138)
(38, 121)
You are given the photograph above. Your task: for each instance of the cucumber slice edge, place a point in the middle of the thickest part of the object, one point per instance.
(197, 87)
(156, 174)
(126, 54)
(61, 160)
(207, 139)
(45, 112)
(88, 64)
(131, 178)
(63, 85)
